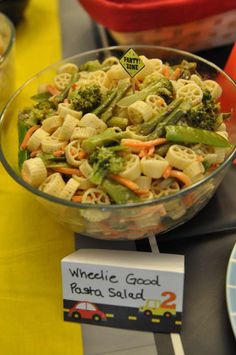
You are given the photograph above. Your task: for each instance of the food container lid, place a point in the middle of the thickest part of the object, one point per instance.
(139, 15)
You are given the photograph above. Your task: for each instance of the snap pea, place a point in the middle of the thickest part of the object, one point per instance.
(119, 193)
(185, 134)
(23, 154)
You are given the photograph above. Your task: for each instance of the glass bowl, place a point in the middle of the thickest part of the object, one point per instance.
(127, 221)
(7, 40)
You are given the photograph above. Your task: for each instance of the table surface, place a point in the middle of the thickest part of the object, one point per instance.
(206, 245)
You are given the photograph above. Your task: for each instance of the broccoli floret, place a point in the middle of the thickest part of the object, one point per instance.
(86, 98)
(206, 115)
(35, 114)
(105, 160)
(164, 87)
(109, 137)
(188, 68)
(91, 65)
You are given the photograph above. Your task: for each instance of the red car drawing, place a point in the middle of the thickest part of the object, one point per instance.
(86, 310)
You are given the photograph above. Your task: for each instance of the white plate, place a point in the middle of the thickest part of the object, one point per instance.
(231, 289)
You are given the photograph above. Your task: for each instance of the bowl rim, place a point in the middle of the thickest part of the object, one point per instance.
(11, 42)
(104, 207)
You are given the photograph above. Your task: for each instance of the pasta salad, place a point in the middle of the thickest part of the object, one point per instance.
(94, 137)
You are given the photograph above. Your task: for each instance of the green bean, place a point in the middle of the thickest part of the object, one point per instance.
(121, 90)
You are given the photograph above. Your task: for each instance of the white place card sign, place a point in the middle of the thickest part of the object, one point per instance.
(125, 289)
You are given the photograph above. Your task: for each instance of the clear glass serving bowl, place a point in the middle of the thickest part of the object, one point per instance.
(7, 70)
(130, 221)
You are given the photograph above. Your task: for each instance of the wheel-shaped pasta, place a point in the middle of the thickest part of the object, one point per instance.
(153, 166)
(192, 92)
(146, 70)
(180, 156)
(159, 191)
(132, 169)
(91, 120)
(194, 169)
(116, 72)
(65, 109)
(73, 153)
(80, 133)
(51, 123)
(69, 189)
(144, 182)
(156, 102)
(84, 183)
(86, 168)
(34, 171)
(110, 61)
(53, 184)
(95, 196)
(52, 144)
(157, 64)
(62, 80)
(139, 111)
(196, 78)
(70, 68)
(36, 139)
(97, 77)
(67, 127)
(214, 88)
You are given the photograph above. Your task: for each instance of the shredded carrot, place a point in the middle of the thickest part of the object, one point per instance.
(151, 150)
(166, 71)
(27, 136)
(213, 167)
(34, 153)
(53, 90)
(82, 154)
(59, 153)
(141, 192)
(77, 198)
(134, 143)
(128, 183)
(199, 158)
(234, 161)
(147, 152)
(167, 171)
(66, 171)
(74, 86)
(143, 153)
(176, 74)
(181, 176)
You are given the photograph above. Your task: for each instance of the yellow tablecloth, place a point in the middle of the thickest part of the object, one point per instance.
(31, 244)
